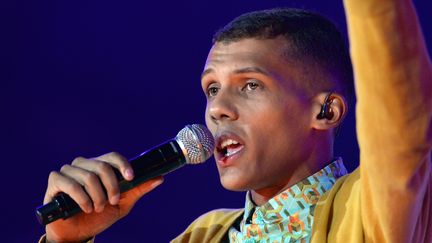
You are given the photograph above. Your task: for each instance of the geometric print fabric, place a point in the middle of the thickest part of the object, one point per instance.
(287, 217)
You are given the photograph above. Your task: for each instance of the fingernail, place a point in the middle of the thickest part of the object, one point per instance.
(115, 199)
(156, 183)
(129, 174)
(89, 209)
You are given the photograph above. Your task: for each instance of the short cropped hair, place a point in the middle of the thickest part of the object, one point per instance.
(313, 40)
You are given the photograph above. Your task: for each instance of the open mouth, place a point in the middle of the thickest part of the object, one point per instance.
(228, 146)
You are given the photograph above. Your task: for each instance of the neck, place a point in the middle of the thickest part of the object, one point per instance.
(317, 160)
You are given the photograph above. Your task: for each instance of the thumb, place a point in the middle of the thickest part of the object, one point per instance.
(129, 198)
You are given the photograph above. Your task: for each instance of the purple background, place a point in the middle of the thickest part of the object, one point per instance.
(82, 78)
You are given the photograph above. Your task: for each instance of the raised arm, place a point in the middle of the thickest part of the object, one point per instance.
(394, 108)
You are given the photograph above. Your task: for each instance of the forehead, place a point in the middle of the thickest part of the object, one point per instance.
(267, 55)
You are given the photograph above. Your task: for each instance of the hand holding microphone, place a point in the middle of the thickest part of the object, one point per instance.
(93, 186)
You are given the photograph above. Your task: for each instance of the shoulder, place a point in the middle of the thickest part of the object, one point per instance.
(211, 226)
(344, 193)
(339, 207)
(345, 187)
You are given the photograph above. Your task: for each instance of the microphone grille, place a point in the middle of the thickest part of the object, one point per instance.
(197, 143)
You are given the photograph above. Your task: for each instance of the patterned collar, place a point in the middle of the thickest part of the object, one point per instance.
(288, 216)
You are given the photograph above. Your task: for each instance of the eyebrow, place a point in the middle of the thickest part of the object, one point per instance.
(207, 71)
(239, 71)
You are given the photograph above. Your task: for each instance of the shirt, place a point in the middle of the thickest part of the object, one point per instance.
(288, 216)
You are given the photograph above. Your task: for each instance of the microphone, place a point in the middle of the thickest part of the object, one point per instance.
(194, 144)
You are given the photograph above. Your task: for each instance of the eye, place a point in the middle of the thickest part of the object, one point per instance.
(251, 85)
(212, 90)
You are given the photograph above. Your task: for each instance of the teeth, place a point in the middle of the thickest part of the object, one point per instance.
(229, 153)
(228, 142)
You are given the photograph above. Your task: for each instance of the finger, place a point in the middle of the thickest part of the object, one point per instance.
(130, 197)
(91, 183)
(60, 183)
(106, 174)
(119, 162)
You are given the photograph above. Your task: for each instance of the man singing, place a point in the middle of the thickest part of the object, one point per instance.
(277, 84)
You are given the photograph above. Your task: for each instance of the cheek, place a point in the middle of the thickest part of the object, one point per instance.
(278, 130)
(271, 116)
(208, 120)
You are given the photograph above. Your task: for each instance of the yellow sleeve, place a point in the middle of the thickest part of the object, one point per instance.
(210, 227)
(394, 108)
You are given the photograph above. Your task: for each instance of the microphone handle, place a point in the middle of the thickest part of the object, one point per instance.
(154, 162)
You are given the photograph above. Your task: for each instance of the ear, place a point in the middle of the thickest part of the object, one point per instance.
(336, 105)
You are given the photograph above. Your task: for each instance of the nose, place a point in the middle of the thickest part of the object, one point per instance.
(222, 107)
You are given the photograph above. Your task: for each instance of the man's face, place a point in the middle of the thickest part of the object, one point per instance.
(258, 115)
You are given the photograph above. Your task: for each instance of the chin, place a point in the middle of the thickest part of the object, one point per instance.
(233, 183)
